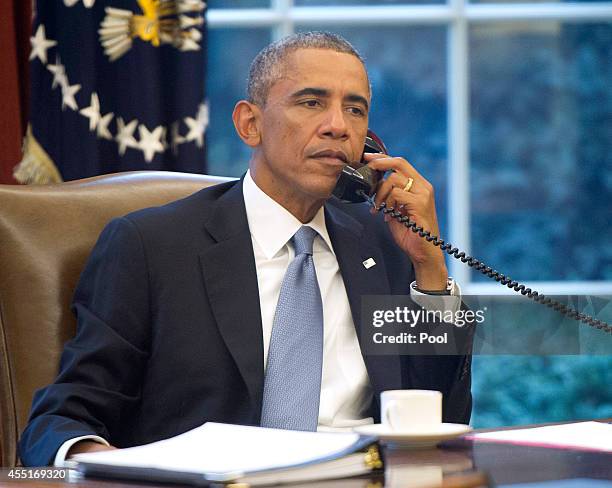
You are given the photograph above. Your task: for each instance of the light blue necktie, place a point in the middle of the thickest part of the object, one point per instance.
(292, 385)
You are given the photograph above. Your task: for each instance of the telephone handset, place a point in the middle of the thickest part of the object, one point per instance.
(358, 183)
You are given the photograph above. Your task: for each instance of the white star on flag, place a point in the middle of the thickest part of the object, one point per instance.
(197, 126)
(125, 135)
(150, 141)
(196, 131)
(59, 73)
(68, 92)
(92, 112)
(102, 129)
(40, 44)
(97, 121)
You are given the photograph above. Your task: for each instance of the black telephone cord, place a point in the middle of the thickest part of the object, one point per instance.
(490, 272)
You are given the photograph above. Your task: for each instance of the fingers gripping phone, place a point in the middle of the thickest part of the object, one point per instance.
(358, 183)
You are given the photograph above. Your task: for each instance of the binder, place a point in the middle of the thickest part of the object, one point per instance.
(227, 453)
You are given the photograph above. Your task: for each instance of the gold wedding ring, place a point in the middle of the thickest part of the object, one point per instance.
(409, 184)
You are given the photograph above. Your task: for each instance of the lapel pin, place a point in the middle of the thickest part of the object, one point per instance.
(368, 263)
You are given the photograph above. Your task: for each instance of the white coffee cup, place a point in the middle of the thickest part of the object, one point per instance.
(411, 410)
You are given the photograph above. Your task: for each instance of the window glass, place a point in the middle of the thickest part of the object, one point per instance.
(342, 3)
(238, 3)
(536, 1)
(520, 390)
(541, 154)
(230, 52)
(407, 72)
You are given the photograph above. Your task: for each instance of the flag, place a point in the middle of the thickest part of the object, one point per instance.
(116, 85)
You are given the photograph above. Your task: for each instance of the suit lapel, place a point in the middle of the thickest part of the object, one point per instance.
(352, 248)
(231, 283)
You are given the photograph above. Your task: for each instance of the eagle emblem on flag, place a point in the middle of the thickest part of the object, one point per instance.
(172, 22)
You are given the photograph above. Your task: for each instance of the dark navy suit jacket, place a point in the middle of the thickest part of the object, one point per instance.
(169, 331)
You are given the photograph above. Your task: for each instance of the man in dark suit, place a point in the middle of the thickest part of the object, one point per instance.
(176, 306)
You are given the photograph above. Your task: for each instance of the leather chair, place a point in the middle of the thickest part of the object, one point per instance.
(46, 234)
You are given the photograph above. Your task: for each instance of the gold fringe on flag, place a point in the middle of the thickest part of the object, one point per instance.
(36, 167)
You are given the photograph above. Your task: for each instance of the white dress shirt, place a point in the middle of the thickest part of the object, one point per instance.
(346, 394)
(345, 388)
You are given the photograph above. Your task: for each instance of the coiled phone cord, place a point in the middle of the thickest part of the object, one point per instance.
(488, 271)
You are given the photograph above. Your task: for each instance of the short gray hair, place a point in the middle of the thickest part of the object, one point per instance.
(268, 65)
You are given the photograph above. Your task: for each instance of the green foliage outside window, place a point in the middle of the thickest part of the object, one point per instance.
(515, 390)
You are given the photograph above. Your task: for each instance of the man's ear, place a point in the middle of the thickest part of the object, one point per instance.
(247, 118)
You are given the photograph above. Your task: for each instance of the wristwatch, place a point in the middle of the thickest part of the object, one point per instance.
(450, 288)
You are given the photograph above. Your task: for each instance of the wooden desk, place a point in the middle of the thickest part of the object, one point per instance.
(504, 463)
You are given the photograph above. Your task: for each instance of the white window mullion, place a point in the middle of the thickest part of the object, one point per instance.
(330, 17)
(567, 12)
(458, 139)
(285, 27)
(284, 15)
(256, 17)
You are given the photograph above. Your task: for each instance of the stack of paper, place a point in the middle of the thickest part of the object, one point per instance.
(223, 452)
(593, 436)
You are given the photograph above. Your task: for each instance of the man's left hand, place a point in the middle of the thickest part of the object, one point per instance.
(416, 201)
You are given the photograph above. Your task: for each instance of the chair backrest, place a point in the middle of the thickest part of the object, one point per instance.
(46, 234)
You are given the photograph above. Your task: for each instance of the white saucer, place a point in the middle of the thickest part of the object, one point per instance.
(415, 439)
